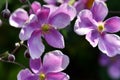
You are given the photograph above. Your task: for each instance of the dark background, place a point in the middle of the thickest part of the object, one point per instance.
(84, 59)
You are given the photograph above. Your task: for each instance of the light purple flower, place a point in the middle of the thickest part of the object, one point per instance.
(53, 63)
(78, 4)
(44, 23)
(112, 64)
(97, 31)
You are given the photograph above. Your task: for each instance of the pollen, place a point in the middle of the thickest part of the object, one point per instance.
(42, 76)
(100, 27)
(45, 28)
(71, 2)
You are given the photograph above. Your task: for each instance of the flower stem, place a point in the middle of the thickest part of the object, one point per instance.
(6, 6)
(30, 5)
(13, 62)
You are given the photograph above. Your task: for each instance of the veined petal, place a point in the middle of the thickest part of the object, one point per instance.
(93, 38)
(60, 20)
(112, 24)
(35, 45)
(54, 38)
(43, 15)
(84, 23)
(67, 9)
(79, 5)
(18, 18)
(36, 6)
(33, 77)
(35, 65)
(109, 44)
(57, 76)
(55, 61)
(29, 27)
(24, 74)
(99, 10)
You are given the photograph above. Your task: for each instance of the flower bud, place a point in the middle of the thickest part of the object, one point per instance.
(11, 57)
(0, 22)
(6, 13)
(22, 1)
(27, 54)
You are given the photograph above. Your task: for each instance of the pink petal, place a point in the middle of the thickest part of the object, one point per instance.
(29, 27)
(35, 45)
(23, 74)
(84, 23)
(112, 24)
(36, 6)
(18, 18)
(93, 38)
(99, 10)
(35, 65)
(55, 61)
(109, 44)
(57, 76)
(54, 38)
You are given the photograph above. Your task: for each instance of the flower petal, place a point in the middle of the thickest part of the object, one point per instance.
(62, 16)
(23, 74)
(57, 76)
(60, 20)
(104, 60)
(35, 65)
(33, 77)
(36, 6)
(54, 38)
(29, 27)
(93, 38)
(43, 15)
(84, 23)
(112, 24)
(55, 61)
(35, 45)
(114, 72)
(80, 5)
(67, 9)
(99, 10)
(50, 1)
(109, 44)
(18, 18)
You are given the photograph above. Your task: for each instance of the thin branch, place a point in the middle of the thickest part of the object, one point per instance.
(13, 62)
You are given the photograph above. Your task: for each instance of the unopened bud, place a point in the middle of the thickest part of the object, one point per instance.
(22, 1)
(6, 13)
(11, 57)
(27, 54)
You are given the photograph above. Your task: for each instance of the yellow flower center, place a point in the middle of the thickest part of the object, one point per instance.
(45, 27)
(42, 76)
(100, 27)
(71, 2)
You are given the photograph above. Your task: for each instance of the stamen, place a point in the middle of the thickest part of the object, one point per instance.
(89, 4)
(42, 76)
(45, 27)
(100, 27)
(71, 2)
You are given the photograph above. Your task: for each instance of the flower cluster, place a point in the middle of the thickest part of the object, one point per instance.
(43, 22)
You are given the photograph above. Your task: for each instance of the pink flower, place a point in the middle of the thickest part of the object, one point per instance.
(44, 23)
(53, 63)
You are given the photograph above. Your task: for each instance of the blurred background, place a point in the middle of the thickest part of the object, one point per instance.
(84, 59)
